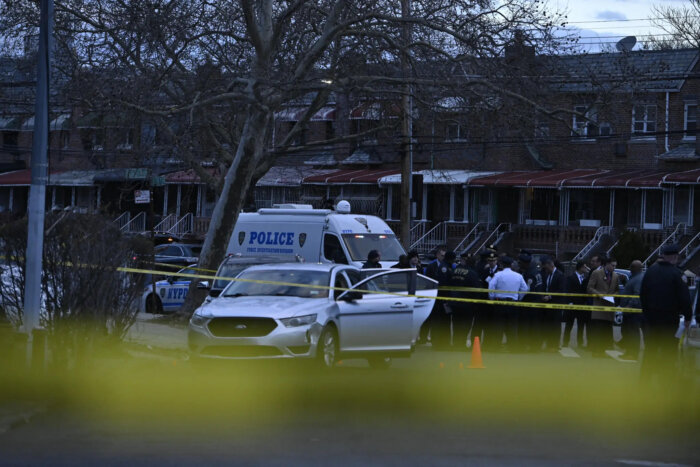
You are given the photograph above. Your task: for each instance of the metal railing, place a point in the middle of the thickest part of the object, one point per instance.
(417, 231)
(694, 242)
(471, 236)
(604, 230)
(183, 226)
(495, 236)
(166, 224)
(432, 238)
(136, 223)
(673, 237)
(123, 219)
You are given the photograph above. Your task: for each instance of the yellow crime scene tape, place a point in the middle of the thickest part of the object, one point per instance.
(553, 294)
(554, 306)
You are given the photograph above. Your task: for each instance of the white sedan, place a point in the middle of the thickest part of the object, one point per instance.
(290, 310)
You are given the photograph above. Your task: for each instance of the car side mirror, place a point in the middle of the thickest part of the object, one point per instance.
(203, 285)
(170, 279)
(351, 296)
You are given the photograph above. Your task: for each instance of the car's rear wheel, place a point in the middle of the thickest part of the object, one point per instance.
(328, 347)
(379, 363)
(153, 306)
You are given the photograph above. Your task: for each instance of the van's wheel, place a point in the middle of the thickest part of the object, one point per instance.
(327, 352)
(152, 307)
(379, 363)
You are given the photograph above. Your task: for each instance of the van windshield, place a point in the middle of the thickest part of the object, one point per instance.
(359, 245)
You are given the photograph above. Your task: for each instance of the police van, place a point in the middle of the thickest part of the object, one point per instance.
(317, 235)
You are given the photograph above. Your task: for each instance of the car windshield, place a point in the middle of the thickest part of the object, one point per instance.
(360, 244)
(227, 270)
(195, 249)
(305, 279)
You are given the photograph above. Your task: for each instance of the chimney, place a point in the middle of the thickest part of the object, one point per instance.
(518, 50)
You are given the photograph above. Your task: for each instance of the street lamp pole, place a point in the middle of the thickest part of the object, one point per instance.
(40, 171)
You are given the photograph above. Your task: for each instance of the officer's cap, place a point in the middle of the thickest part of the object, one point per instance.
(670, 249)
(525, 257)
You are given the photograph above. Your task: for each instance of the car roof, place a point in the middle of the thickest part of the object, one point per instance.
(323, 267)
(258, 259)
(181, 244)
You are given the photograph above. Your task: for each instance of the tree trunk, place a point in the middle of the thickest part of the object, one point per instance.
(249, 154)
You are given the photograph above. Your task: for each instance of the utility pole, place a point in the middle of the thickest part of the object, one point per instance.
(406, 131)
(40, 171)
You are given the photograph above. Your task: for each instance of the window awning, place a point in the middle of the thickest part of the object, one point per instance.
(10, 123)
(323, 159)
(326, 114)
(289, 176)
(638, 178)
(686, 177)
(362, 157)
(21, 178)
(533, 178)
(439, 177)
(189, 176)
(375, 111)
(62, 122)
(346, 177)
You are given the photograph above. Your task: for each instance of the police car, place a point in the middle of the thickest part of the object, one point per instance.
(170, 292)
(290, 311)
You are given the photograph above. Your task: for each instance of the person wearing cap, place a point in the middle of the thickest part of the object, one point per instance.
(506, 286)
(603, 283)
(441, 270)
(554, 283)
(664, 297)
(463, 314)
(373, 258)
(414, 260)
(530, 320)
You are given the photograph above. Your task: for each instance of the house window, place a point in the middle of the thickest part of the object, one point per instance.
(10, 139)
(643, 119)
(455, 132)
(64, 139)
(93, 139)
(330, 133)
(127, 139)
(584, 123)
(542, 132)
(691, 120)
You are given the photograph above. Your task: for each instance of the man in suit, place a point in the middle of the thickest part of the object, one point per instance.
(530, 318)
(602, 283)
(463, 313)
(631, 322)
(554, 282)
(576, 284)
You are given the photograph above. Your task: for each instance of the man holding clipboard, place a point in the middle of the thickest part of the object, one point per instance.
(604, 282)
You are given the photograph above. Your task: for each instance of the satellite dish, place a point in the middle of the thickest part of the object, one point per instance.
(626, 44)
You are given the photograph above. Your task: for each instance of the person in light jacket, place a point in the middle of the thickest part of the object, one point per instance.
(602, 283)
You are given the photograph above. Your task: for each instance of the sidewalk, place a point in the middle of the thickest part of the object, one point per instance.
(158, 332)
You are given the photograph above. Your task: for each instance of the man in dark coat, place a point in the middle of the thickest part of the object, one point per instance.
(437, 323)
(631, 322)
(576, 283)
(554, 283)
(373, 258)
(530, 318)
(664, 298)
(463, 313)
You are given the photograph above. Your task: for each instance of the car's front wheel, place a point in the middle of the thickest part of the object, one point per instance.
(153, 306)
(379, 363)
(328, 347)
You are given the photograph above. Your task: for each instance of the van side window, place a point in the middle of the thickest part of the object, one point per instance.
(332, 250)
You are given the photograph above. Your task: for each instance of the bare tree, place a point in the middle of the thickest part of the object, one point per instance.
(681, 24)
(220, 70)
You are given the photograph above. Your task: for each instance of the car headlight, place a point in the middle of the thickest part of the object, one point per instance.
(197, 319)
(298, 321)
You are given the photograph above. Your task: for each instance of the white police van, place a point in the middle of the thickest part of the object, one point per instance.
(317, 235)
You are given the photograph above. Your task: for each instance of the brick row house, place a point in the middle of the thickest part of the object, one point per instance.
(624, 155)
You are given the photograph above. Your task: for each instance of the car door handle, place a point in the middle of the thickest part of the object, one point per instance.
(399, 305)
(423, 300)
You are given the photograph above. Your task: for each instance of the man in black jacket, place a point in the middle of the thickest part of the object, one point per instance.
(463, 313)
(530, 318)
(553, 282)
(664, 298)
(576, 283)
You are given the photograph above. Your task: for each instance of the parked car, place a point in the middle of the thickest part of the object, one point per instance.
(232, 265)
(177, 253)
(289, 311)
(170, 292)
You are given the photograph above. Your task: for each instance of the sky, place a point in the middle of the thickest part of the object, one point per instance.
(607, 21)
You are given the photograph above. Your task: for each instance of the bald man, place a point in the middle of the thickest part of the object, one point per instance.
(631, 322)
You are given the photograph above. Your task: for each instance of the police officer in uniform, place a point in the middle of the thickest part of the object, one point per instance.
(463, 313)
(664, 297)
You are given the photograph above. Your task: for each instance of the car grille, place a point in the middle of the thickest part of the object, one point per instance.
(241, 351)
(241, 327)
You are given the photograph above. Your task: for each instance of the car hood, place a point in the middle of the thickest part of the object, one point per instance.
(275, 307)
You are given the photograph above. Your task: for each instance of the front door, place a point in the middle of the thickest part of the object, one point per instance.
(382, 319)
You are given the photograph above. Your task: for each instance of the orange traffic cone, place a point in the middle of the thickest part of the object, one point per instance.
(476, 362)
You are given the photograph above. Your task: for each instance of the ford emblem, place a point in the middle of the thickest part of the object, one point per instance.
(241, 326)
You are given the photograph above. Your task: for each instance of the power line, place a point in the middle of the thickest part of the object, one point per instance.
(631, 19)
